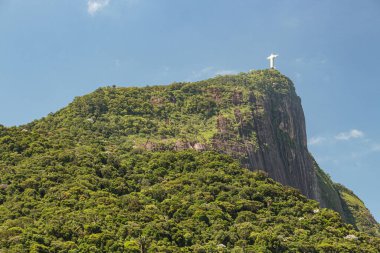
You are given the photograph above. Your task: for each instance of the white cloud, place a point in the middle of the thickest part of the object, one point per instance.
(225, 72)
(353, 134)
(210, 71)
(317, 60)
(93, 6)
(316, 140)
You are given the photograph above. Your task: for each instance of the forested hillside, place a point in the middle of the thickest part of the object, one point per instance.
(101, 201)
(167, 169)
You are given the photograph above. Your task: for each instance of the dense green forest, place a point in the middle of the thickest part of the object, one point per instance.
(188, 201)
(119, 170)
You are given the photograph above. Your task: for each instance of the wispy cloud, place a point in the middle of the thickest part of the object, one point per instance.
(94, 6)
(210, 71)
(342, 136)
(352, 134)
(225, 72)
(316, 140)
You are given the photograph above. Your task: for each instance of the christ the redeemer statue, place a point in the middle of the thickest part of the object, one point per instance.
(271, 60)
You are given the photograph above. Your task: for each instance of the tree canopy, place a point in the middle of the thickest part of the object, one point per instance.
(112, 173)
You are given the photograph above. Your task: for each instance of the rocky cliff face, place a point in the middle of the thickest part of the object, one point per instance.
(278, 124)
(282, 145)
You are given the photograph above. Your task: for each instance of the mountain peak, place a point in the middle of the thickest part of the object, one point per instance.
(255, 117)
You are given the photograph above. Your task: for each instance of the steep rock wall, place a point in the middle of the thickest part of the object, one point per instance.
(278, 123)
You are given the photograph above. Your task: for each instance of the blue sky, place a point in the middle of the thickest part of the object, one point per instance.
(54, 50)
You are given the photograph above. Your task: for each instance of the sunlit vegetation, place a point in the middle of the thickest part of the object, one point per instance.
(188, 201)
(113, 172)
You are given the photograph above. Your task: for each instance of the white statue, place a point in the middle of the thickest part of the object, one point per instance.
(271, 60)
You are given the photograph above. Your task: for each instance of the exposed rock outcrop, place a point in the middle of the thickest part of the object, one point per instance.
(278, 124)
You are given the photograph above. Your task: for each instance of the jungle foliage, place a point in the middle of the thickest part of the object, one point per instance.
(98, 201)
(83, 179)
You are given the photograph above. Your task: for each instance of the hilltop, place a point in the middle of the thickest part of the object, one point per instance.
(165, 167)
